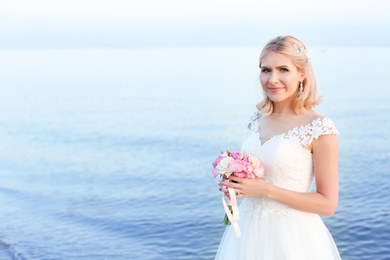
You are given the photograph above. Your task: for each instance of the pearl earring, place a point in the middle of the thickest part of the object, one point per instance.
(300, 88)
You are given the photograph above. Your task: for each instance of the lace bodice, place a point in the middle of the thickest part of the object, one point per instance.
(287, 161)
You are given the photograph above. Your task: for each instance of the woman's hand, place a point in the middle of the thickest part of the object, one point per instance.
(244, 187)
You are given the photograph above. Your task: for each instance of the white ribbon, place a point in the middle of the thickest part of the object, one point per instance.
(232, 218)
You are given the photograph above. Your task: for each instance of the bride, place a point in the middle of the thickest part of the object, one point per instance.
(297, 146)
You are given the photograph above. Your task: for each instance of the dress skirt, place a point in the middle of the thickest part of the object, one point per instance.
(297, 236)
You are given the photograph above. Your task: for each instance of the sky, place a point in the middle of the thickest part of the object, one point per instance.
(28, 24)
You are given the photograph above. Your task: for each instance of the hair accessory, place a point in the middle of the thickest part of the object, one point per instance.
(300, 88)
(299, 48)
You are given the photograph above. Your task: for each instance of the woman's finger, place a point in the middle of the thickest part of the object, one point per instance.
(235, 179)
(225, 183)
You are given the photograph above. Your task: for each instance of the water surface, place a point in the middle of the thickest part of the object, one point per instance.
(106, 154)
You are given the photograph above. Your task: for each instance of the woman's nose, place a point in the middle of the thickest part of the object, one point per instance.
(273, 79)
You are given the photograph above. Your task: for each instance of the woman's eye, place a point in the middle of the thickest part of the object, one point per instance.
(283, 70)
(264, 70)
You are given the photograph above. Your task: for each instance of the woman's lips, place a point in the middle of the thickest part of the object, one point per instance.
(274, 89)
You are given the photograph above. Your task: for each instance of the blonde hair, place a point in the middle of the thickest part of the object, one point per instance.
(297, 52)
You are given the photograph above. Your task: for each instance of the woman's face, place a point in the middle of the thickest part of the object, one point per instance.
(279, 77)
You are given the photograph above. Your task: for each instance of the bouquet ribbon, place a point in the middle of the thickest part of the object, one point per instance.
(235, 216)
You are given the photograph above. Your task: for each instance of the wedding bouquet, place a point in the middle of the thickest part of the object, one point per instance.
(240, 165)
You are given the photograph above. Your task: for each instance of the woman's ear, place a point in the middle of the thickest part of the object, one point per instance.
(303, 76)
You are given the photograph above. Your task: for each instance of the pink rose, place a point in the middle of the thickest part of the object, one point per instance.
(241, 174)
(235, 155)
(239, 168)
(258, 167)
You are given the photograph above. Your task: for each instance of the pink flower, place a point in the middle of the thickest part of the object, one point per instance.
(215, 173)
(219, 158)
(238, 166)
(241, 174)
(258, 167)
(235, 155)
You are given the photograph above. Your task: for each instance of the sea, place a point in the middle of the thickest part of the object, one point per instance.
(106, 153)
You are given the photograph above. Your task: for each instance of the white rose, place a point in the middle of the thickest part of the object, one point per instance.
(223, 166)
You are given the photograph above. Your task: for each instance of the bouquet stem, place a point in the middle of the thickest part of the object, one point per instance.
(226, 220)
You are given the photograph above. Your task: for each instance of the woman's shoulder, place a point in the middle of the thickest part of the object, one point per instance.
(321, 119)
(313, 115)
(313, 126)
(321, 125)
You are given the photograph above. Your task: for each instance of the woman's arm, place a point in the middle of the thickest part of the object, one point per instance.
(323, 201)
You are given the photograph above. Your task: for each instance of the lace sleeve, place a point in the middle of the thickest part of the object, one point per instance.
(253, 123)
(306, 134)
(321, 126)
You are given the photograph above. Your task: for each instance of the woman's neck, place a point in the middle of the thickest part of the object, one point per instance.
(283, 110)
(284, 107)
(290, 112)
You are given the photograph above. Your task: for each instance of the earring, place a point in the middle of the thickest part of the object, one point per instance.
(300, 88)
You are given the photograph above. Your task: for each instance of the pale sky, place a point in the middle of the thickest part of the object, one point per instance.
(172, 23)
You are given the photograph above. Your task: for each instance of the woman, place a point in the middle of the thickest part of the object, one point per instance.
(279, 216)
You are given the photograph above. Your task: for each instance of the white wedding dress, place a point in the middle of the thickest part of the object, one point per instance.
(272, 230)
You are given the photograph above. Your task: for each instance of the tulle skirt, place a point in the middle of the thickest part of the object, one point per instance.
(301, 236)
